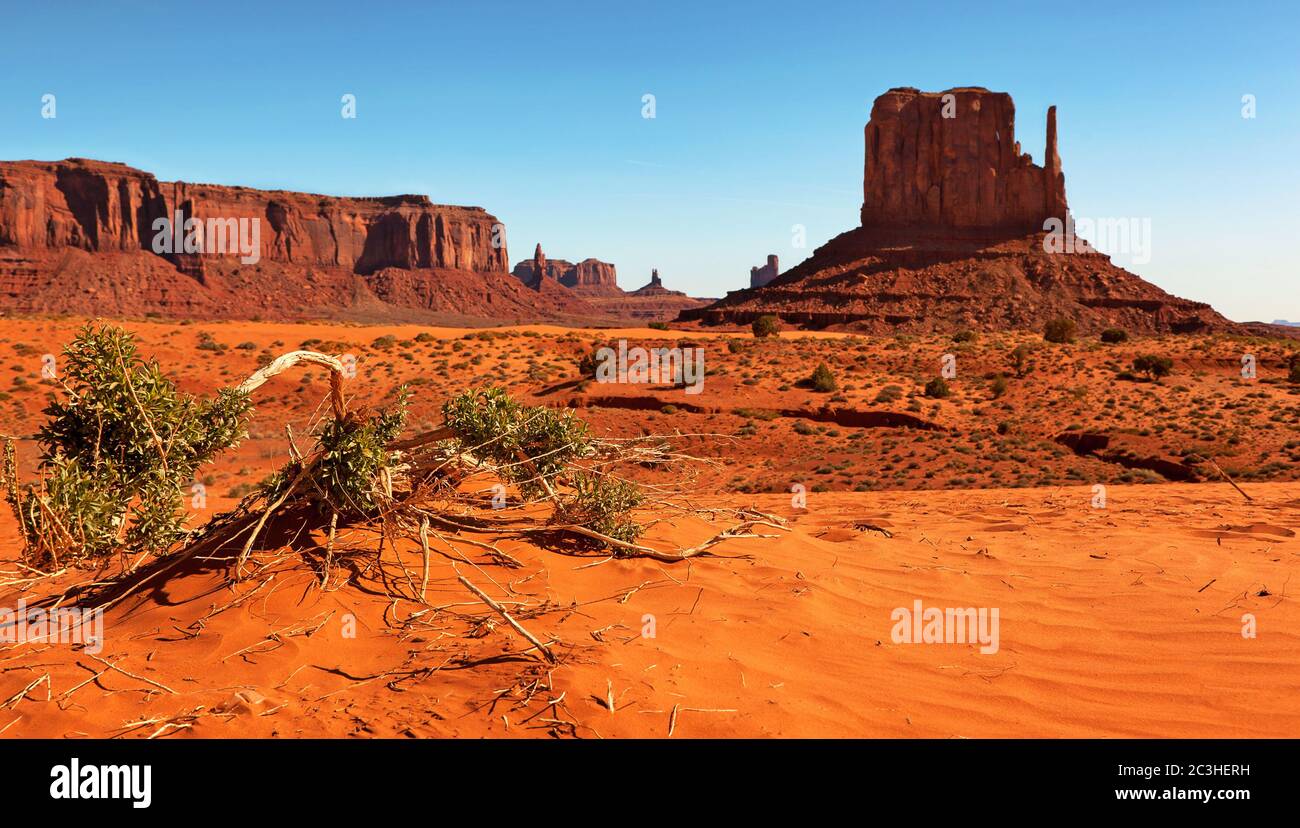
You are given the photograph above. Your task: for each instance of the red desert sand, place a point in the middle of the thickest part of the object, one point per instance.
(1117, 620)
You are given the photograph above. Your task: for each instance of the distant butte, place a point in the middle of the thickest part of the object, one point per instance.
(597, 282)
(952, 236)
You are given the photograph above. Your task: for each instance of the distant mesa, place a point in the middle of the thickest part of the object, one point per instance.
(1288, 324)
(77, 237)
(589, 277)
(952, 236)
(759, 276)
(596, 282)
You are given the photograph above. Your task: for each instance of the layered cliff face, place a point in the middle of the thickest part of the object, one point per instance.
(952, 237)
(101, 207)
(83, 204)
(942, 160)
(78, 236)
(361, 234)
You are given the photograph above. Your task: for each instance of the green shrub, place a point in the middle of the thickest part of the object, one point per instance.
(118, 453)
(353, 455)
(937, 388)
(822, 379)
(1114, 336)
(890, 393)
(765, 326)
(603, 504)
(491, 425)
(999, 386)
(1059, 330)
(1153, 366)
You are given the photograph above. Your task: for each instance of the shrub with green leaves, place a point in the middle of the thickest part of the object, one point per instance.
(1154, 366)
(602, 504)
(937, 388)
(822, 379)
(532, 444)
(117, 454)
(1114, 336)
(527, 442)
(1059, 330)
(765, 326)
(354, 454)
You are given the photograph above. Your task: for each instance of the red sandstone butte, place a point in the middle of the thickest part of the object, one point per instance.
(953, 219)
(597, 283)
(926, 169)
(589, 277)
(76, 236)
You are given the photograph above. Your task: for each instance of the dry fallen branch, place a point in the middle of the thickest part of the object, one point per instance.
(500, 610)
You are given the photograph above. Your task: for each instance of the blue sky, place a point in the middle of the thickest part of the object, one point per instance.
(534, 111)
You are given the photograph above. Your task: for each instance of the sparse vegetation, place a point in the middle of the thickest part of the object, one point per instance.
(822, 380)
(765, 326)
(1059, 330)
(1153, 365)
(937, 388)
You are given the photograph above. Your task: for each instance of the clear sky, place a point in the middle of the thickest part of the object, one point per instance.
(533, 110)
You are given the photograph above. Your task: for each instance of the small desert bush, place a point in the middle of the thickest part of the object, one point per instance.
(1153, 365)
(1059, 330)
(603, 504)
(1020, 358)
(965, 336)
(532, 444)
(998, 387)
(117, 453)
(1114, 336)
(937, 388)
(587, 364)
(889, 394)
(765, 326)
(822, 379)
(353, 455)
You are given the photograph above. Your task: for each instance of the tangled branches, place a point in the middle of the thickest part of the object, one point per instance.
(118, 452)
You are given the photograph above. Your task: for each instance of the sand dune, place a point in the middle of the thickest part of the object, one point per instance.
(1116, 622)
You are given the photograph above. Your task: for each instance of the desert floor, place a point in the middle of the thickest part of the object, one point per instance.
(1122, 618)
